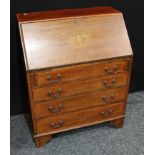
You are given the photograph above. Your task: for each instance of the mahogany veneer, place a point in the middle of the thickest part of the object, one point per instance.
(78, 65)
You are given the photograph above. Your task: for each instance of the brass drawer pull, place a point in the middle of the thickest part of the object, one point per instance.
(111, 84)
(56, 109)
(57, 124)
(127, 66)
(107, 112)
(49, 78)
(113, 70)
(110, 99)
(58, 93)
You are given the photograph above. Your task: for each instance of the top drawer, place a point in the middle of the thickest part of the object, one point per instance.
(79, 72)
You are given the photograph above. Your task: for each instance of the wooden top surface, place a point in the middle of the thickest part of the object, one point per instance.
(54, 14)
(65, 37)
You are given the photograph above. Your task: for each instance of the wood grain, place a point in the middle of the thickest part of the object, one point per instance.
(67, 13)
(78, 64)
(79, 118)
(78, 87)
(53, 44)
(80, 72)
(42, 140)
(52, 108)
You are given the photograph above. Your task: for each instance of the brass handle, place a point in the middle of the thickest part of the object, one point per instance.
(56, 109)
(112, 70)
(58, 93)
(57, 124)
(49, 93)
(127, 66)
(110, 99)
(49, 78)
(107, 85)
(107, 112)
(59, 76)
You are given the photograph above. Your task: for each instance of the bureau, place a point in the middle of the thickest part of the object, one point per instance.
(78, 65)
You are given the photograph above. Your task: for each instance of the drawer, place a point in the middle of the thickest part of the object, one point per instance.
(81, 118)
(79, 102)
(77, 72)
(78, 87)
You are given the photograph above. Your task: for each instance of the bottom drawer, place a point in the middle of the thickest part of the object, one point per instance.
(68, 121)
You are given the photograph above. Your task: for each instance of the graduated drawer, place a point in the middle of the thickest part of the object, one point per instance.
(51, 108)
(78, 72)
(81, 118)
(78, 87)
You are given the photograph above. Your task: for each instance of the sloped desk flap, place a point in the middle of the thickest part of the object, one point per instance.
(70, 40)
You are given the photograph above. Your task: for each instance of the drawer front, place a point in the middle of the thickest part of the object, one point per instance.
(75, 88)
(80, 118)
(78, 72)
(52, 108)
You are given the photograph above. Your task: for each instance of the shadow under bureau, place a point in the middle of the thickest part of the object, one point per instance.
(78, 65)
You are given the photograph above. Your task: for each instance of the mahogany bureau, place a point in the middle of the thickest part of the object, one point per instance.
(78, 65)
